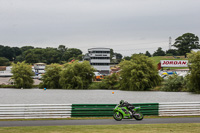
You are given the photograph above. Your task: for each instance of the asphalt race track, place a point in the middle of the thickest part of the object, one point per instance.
(97, 122)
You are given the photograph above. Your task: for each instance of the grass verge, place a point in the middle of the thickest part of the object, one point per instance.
(87, 118)
(143, 128)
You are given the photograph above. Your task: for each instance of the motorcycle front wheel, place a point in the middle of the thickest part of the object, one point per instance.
(138, 116)
(117, 116)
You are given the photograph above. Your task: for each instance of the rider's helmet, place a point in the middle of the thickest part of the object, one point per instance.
(121, 102)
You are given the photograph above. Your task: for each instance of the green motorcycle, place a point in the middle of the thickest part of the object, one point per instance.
(122, 112)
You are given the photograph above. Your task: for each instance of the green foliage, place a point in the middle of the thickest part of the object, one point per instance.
(117, 55)
(48, 55)
(172, 52)
(194, 76)
(148, 54)
(51, 77)
(111, 81)
(98, 85)
(7, 52)
(7, 86)
(32, 55)
(127, 58)
(22, 73)
(77, 75)
(186, 42)
(174, 83)
(4, 61)
(159, 52)
(25, 48)
(138, 74)
(71, 53)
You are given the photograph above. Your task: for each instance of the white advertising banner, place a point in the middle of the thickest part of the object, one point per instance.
(174, 63)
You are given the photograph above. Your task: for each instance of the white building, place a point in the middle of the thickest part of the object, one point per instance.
(100, 59)
(39, 67)
(7, 72)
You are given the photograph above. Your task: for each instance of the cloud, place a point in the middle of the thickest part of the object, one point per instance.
(92, 23)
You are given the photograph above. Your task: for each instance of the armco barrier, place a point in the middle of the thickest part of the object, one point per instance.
(179, 109)
(28, 111)
(103, 110)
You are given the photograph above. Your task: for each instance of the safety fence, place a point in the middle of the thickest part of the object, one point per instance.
(179, 109)
(28, 111)
(103, 110)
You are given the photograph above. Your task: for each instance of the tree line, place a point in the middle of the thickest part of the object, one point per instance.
(183, 44)
(137, 74)
(48, 55)
(30, 54)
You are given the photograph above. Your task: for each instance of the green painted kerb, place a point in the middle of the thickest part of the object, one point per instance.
(105, 110)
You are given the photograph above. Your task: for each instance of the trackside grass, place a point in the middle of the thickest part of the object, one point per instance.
(144, 128)
(86, 118)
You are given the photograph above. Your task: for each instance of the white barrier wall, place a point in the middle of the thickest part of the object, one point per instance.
(179, 109)
(28, 111)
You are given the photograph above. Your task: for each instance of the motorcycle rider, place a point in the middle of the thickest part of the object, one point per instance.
(129, 106)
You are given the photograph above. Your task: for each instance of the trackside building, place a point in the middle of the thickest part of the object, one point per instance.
(100, 59)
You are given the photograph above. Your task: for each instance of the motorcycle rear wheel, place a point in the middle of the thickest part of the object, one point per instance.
(138, 116)
(117, 116)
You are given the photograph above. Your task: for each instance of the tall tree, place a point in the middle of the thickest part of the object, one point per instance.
(7, 52)
(172, 52)
(51, 77)
(1, 50)
(159, 52)
(148, 54)
(138, 74)
(118, 57)
(77, 75)
(22, 73)
(4, 61)
(71, 53)
(186, 42)
(62, 48)
(24, 48)
(111, 81)
(17, 52)
(194, 76)
(51, 55)
(115, 54)
(34, 55)
(111, 54)
(127, 58)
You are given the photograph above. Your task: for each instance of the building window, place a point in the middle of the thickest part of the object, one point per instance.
(100, 58)
(99, 52)
(100, 64)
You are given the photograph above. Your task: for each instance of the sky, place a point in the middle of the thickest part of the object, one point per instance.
(126, 26)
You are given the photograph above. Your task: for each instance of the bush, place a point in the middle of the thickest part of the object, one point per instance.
(77, 75)
(138, 74)
(22, 73)
(174, 83)
(4, 61)
(194, 76)
(7, 86)
(112, 81)
(51, 77)
(98, 85)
